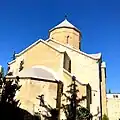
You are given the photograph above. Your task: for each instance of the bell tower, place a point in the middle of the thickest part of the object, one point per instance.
(67, 34)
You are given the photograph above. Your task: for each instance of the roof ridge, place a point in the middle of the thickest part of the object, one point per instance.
(90, 56)
(27, 48)
(52, 46)
(40, 40)
(32, 45)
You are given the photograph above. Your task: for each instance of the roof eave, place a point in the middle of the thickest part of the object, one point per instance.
(29, 47)
(11, 62)
(32, 78)
(64, 27)
(32, 45)
(95, 58)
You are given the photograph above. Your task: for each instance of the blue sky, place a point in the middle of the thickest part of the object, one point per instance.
(22, 22)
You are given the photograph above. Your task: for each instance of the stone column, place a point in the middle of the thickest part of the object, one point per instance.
(103, 88)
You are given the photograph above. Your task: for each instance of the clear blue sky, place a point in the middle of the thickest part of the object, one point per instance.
(22, 22)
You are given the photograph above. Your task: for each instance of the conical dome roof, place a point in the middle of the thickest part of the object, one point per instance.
(65, 24)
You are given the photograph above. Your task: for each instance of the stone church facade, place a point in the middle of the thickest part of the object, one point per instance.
(45, 64)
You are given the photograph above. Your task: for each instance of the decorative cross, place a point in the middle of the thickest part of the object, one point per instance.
(65, 16)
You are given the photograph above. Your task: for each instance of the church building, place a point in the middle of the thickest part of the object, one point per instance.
(47, 65)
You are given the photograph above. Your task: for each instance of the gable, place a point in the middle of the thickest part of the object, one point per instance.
(39, 54)
(34, 45)
(23, 52)
(42, 54)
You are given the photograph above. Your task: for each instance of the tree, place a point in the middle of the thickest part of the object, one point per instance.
(13, 57)
(72, 109)
(105, 117)
(109, 91)
(8, 91)
(8, 104)
(50, 112)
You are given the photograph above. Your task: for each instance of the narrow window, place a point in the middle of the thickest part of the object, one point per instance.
(67, 63)
(69, 69)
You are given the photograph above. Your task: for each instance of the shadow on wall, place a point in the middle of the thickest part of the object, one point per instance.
(9, 112)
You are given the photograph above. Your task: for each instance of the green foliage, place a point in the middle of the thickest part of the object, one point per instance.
(13, 57)
(109, 91)
(9, 107)
(105, 117)
(72, 109)
(2, 72)
(8, 91)
(50, 113)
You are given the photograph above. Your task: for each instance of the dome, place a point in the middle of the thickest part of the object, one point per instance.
(65, 24)
(67, 34)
